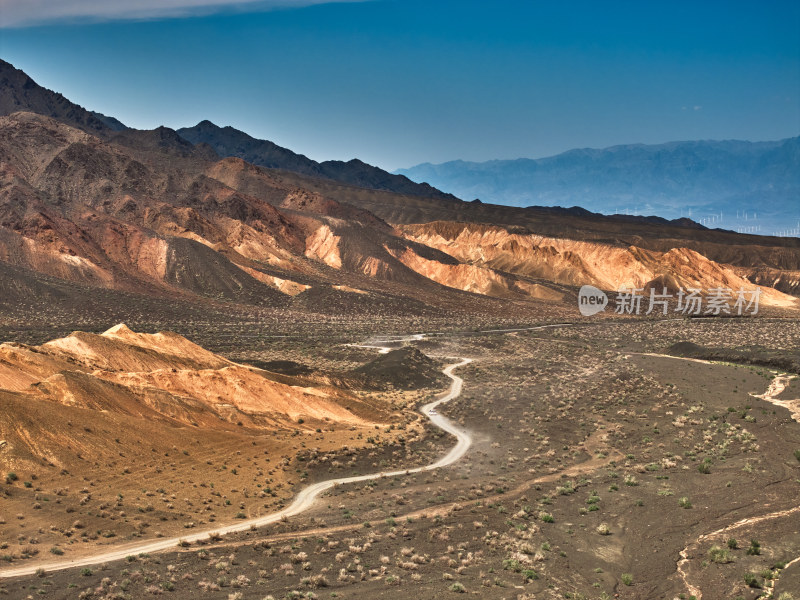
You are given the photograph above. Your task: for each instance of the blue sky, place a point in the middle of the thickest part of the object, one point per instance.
(399, 82)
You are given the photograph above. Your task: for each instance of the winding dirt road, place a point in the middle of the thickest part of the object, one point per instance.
(306, 497)
(302, 502)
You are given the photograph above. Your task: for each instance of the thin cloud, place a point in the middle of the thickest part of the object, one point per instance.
(26, 13)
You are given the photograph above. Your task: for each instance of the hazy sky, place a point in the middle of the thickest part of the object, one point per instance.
(399, 82)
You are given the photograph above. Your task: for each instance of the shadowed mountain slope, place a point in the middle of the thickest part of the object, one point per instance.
(18, 92)
(152, 213)
(227, 141)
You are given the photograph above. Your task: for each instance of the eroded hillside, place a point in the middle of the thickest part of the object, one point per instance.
(114, 433)
(150, 213)
(576, 263)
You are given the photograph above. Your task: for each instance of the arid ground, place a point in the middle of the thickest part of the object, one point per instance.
(204, 337)
(600, 467)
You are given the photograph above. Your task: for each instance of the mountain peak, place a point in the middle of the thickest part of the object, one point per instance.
(228, 141)
(119, 329)
(18, 92)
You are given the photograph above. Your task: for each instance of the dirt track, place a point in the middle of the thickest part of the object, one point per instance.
(304, 500)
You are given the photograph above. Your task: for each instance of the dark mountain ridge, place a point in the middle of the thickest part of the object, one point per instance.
(18, 92)
(227, 141)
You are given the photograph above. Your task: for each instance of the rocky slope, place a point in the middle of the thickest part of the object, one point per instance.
(167, 378)
(149, 212)
(113, 433)
(577, 263)
(760, 259)
(80, 208)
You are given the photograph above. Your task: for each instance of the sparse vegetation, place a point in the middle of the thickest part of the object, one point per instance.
(719, 555)
(430, 531)
(751, 579)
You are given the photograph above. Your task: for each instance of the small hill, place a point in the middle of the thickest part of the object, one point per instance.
(165, 377)
(405, 368)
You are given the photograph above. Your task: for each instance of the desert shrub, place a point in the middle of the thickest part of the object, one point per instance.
(752, 580)
(684, 502)
(566, 490)
(627, 579)
(719, 555)
(510, 564)
(754, 549)
(318, 581)
(457, 587)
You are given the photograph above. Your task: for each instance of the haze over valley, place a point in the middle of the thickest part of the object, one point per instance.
(745, 187)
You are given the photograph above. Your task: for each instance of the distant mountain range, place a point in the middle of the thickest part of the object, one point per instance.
(707, 178)
(741, 186)
(88, 205)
